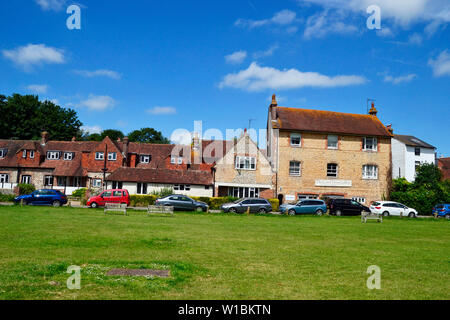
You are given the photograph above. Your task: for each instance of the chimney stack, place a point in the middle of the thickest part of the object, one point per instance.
(273, 111)
(126, 143)
(44, 138)
(373, 111)
(390, 129)
(74, 139)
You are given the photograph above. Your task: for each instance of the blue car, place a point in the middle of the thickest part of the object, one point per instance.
(318, 207)
(43, 198)
(442, 210)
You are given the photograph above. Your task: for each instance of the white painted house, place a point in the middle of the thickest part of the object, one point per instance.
(408, 152)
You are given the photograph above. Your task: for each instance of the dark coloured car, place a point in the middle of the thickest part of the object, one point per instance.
(255, 205)
(182, 203)
(348, 207)
(43, 197)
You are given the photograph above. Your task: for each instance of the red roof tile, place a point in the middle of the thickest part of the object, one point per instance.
(444, 165)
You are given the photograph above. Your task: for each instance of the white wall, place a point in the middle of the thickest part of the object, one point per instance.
(398, 158)
(426, 156)
(196, 191)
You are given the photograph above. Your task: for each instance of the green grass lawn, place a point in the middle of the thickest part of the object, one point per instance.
(220, 256)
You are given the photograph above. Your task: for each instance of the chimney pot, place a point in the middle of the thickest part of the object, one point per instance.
(44, 138)
(373, 111)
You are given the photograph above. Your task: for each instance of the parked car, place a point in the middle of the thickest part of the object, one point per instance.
(442, 210)
(43, 197)
(183, 203)
(256, 205)
(109, 196)
(340, 207)
(318, 207)
(391, 208)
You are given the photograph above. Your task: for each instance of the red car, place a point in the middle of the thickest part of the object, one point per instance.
(109, 196)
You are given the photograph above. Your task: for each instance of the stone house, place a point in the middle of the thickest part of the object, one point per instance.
(323, 154)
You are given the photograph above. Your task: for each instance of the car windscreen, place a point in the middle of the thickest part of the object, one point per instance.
(376, 203)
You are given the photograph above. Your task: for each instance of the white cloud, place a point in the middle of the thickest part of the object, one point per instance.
(181, 137)
(38, 88)
(401, 12)
(400, 79)
(385, 32)
(441, 65)
(162, 110)
(284, 17)
(98, 103)
(55, 5)
(267, 53)
(257, 78)
(324, 23)
(34, 54)
(236, 57)
(99, 73)
(415, 39)
(92, 129)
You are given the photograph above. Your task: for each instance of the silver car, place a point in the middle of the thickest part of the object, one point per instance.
(254, 205)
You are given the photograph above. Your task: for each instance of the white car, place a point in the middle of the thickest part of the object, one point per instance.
(391, 208)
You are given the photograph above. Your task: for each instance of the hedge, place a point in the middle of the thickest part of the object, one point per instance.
(26, 188)
(7, 197)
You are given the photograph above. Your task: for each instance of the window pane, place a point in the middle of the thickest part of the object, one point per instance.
(332, 141)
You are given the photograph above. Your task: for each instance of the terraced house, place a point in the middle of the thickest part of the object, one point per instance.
(323, 154)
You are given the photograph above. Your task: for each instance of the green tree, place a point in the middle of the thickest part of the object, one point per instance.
(428, 174)
(112, 133)
(25, 117)
(148, 135)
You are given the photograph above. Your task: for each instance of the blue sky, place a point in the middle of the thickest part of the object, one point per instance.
(166, 64)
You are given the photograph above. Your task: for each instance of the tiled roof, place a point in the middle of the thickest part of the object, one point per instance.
(159, 153)
(194, 177)
(296, 119)
(413, 141)
(12, 147)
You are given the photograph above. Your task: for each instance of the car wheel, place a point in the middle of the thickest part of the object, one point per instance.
(199, 209)
(94, 205)
(262, 211)
(291, 212)
(339, 213)
(386, 214)
(319, 212)
(56, 203)
(233, 210)
(411, 215)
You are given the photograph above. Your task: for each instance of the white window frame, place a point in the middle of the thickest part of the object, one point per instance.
(374, 144)
(51, 178)
(112, 156)
(173, 160)
(243, 192)
(361, 200)
(25, 178)
(291, 172)
(68, 156)
(307, 197)
(4, 178)
(295, 136)
(24, 154)
(370, 174)
(99, 156)
(330, 172)
(53, 155)
(31, 154)
(245, 163)
(337, 142)
(180, 160)
(144, 158)
(3, 153)
(96, 183)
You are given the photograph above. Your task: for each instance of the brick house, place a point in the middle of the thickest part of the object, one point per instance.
(322, 154)
(444, 165)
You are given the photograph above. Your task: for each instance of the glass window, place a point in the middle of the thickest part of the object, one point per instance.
(332, 170)
(61, 181)
(97, 183)
(370, 172)
(144, 159)
(245, 163)
(3, 153)
(53, 155)
(117, 193)
(359, 199)
(173, 160)
(294, 168)
(417, 151)
(296, 139)
(68, 156)
(180, 160)
(24, 153)
(99, 156)
(240, 192)
(4, 178)
(106, 194)
(112, 156)
(48, 180)
(31, 154)
(26, 179)
(370, 144)
(307, 196)
(332, 141)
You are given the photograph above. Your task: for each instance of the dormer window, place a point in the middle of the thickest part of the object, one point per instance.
(24, 154)
(144, 158)
(68, 156)
(31, 154)
(176, 160)
(112, 156)
(370, 144)
(53, 155)
(99, 156)
(3, 153)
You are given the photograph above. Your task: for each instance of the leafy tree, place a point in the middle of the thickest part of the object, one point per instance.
(428, 174)
(94, 137)
(25, 117)
(112, 133)
(148, 135)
